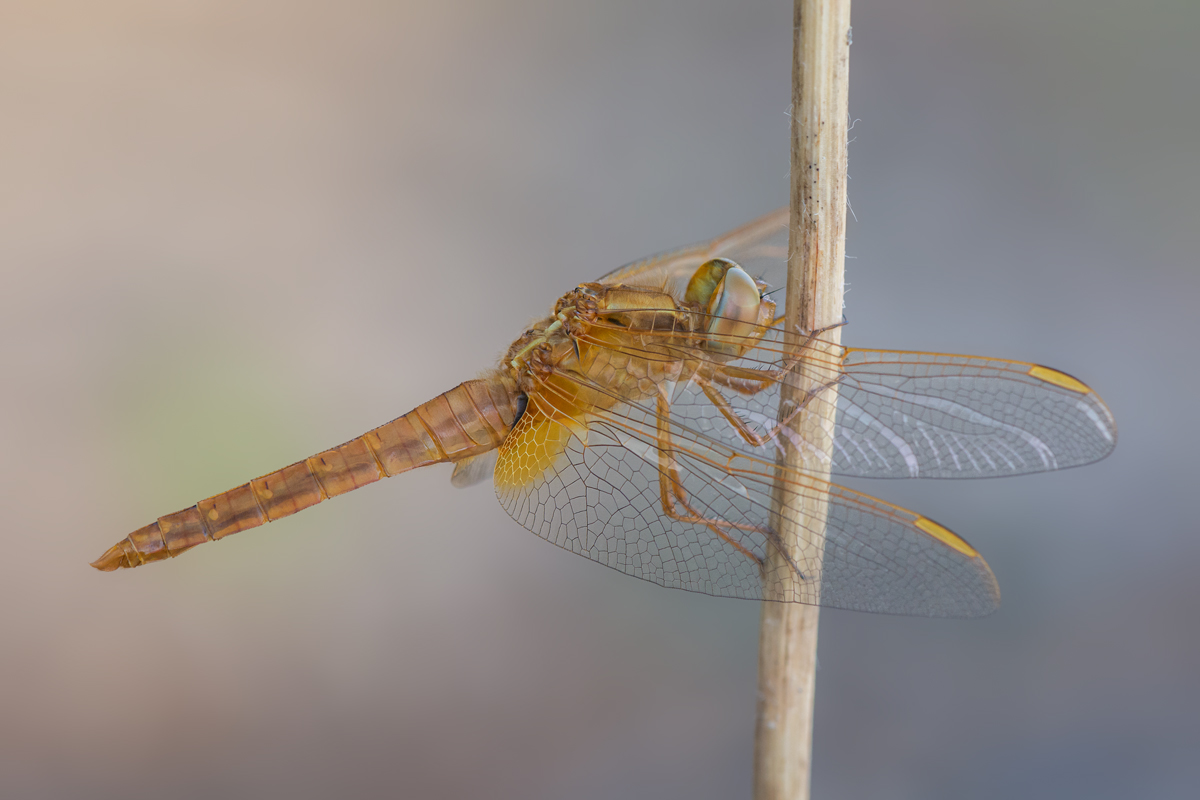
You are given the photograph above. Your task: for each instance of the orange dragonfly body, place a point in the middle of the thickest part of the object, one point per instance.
(656, 423)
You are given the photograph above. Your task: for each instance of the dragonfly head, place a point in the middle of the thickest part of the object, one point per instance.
(733, 302)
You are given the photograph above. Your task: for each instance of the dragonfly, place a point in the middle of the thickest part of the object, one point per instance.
(663, 420)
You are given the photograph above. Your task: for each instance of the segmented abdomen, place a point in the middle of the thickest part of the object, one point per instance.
(471, 418)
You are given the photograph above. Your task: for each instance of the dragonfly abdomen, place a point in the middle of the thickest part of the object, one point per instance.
(472, 418)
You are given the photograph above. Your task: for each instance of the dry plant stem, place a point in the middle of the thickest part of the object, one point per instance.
(787, 655)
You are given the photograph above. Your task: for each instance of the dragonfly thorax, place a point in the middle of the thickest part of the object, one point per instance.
(721, 316)
(722, 312)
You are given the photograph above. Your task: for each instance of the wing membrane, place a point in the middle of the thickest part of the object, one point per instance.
(932, 415)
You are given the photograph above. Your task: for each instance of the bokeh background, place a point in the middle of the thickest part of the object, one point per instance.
(233, 234)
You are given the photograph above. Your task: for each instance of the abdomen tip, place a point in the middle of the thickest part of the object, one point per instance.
(113, 558)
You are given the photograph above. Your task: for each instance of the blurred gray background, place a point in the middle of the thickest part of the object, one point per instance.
(233, 234)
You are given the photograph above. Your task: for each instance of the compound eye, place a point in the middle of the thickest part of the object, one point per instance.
(737, 297)
(732, 299)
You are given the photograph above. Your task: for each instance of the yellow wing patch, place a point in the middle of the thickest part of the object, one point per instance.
(530, 449)
(1058, 379)
(945, 536)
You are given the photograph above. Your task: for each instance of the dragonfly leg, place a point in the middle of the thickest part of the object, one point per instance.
(671, 489)
(810, 335)
(745, 381)
(730, 413)
(750, 381)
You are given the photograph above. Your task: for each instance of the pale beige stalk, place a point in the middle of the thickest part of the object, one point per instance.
(788, 637)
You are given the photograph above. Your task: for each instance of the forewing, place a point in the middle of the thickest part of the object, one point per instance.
(760, 247)
(611, 500)
(932, 415)
(899, 414)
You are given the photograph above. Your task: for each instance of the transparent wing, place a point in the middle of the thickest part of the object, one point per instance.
(658, 500)
(932, 415)
(899, 414)
(760, 247)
